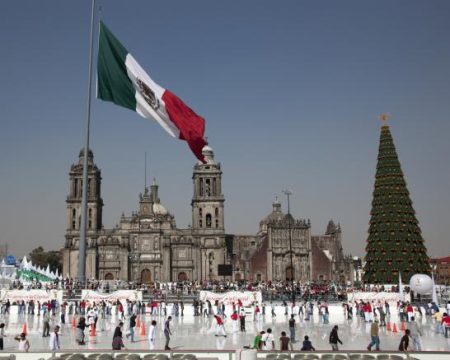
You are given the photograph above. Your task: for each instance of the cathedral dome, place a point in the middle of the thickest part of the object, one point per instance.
(208, 154)
(159, 209)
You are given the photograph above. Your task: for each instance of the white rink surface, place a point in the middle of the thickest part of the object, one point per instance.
(197, 333)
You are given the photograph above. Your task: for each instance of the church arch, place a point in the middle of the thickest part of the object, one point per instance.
(289, 274)
(237, 277)
(146, 276)
(182, 276)
(109, 276)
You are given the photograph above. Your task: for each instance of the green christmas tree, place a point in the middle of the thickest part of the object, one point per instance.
(395, 242)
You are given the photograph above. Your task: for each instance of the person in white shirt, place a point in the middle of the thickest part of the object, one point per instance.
(53, 343)
(152, 335)
(268, 340)
(24, 345)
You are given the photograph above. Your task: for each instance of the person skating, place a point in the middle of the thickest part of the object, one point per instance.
(167, 332)
(307, 345)
(415, 332)
(46, 325)
(54, 344)
(375, 338)
(220, 328)
(292, 328)
(2, 334)
(285, 342)
(242, 320)
(152, 335)
(334, 338)
(404, 342)
(234, 321)
(117, 342)
(80, 331)
(132, 326)
(268, 340)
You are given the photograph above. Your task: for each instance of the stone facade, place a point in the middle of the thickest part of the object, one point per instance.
(266, 255)
(147, 246)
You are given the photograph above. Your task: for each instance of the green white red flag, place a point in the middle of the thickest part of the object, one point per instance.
(121, 80)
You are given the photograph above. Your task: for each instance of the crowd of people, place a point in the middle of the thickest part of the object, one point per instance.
(91, 315)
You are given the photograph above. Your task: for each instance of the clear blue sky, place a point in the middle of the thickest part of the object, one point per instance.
(290, 90)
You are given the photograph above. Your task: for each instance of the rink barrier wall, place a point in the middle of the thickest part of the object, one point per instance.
(234, 355)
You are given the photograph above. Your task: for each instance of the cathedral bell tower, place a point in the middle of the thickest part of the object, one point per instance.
(208, 215)
(73, 216)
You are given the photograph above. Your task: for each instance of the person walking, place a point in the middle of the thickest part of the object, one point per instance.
(152, 335)
(404, 341)
(132, 326)
(292, 328)
(285, 342)
(46, 325)
(167, 332)
(415, 332)
(307, 344)
(375, 338)
(2, 334)
(334, 338)
(117, 342)
(80, 331)
(54, 344)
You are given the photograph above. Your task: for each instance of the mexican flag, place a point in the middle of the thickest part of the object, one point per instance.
(121, 80)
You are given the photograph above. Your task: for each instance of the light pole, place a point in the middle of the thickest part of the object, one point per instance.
(288, 193)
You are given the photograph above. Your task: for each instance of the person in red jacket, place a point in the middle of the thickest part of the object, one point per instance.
(220, 329)
(409, 311)
(234, 321)
(446, 323)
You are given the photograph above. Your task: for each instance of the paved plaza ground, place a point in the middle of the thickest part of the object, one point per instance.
(198, 332)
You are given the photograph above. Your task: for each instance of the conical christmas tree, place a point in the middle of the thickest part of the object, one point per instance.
(395, 242)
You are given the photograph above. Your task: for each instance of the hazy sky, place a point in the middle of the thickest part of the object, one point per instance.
(290, 91)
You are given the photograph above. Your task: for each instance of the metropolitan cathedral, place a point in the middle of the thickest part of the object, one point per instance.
(148, 247)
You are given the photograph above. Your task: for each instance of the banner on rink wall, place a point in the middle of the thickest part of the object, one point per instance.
(247, 297)
(390, 297)
(121, 295)
(34, 294)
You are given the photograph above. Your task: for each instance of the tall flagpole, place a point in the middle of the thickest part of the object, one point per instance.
(82, 247)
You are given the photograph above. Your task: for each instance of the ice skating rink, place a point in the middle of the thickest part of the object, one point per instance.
(198, 332)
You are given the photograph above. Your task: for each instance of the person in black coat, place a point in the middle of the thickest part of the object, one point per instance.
(307, 345)
(334, 339)
(404, 342)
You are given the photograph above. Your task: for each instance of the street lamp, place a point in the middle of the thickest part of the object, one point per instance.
(288, 194)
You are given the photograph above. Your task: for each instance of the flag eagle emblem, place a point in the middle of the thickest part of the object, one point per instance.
(147, 94)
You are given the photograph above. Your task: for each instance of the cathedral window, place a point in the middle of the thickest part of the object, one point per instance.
(200, 223)
(217, 223)
(74, 224)
(208, 220)
(208, 187)
(90, 224)
(74, 213)
(90, 213)
(201, 186)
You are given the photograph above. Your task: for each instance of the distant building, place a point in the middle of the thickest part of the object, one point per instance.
(441, 268)
(266, 255)
(147, 246)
